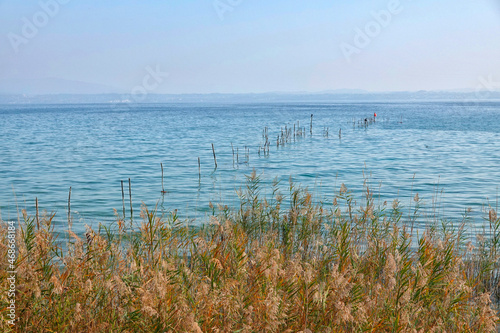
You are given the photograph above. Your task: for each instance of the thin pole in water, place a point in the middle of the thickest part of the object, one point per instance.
(130, 195)
(199, 170)
(123, 200)
(311, 127)
(233, 153)
(215, 158)
(162, 188)
(37, 220)
(69, 208)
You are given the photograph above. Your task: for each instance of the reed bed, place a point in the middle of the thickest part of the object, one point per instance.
(275, 264)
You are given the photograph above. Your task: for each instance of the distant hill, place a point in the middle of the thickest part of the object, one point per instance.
(318, 97)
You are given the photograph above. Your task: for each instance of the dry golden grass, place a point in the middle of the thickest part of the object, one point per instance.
(262, 268)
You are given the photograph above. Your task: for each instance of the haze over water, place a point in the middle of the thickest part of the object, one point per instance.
(443, 151)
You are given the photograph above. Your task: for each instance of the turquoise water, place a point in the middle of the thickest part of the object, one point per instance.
(445, 151)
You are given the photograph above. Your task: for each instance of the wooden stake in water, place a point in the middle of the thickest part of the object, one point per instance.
(340, 133)
(37, 221)
(233, 153)
(199, 169)
(69, 208)
(162, 188)
(215, 158)
(311, 127)
(130, 196)
(123, 200)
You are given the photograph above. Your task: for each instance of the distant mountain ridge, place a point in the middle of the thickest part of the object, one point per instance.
(319, 97)
(56, 90)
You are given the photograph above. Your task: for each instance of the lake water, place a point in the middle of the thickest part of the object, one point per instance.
(449, 151)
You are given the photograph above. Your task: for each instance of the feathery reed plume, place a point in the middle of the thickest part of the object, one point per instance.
(349, 267)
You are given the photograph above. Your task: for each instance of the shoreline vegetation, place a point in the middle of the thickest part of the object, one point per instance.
(266, 266)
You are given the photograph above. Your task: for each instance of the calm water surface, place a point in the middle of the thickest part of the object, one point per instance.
(445, 151)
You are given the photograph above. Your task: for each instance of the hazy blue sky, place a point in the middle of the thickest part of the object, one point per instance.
(258, 46)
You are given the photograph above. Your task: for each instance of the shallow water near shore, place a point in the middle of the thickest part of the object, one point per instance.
(447, 152)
